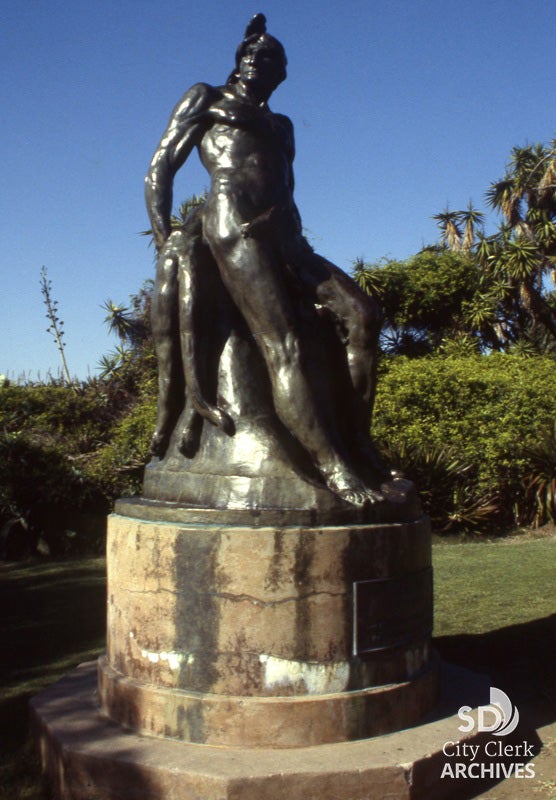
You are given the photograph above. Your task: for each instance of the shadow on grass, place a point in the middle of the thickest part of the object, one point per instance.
(519, 659)
(52, 615)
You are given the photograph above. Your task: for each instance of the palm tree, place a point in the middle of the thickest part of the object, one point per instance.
(512, 301)
(526, 197)
(451, 223)
(502, 197)
(367, 279)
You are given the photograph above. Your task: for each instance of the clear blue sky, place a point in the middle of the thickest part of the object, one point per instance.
(400, 107)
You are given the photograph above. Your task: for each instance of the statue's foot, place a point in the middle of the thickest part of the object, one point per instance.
(159, 444)
(349, 487)
(375, 496)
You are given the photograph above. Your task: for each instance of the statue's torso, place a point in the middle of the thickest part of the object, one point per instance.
(248, 151)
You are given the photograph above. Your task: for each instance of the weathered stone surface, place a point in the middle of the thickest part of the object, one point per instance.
(235, 635)
(294, 721)
(186, 602)
(87, 757)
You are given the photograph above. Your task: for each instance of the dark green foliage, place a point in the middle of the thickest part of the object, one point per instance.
(47, 435)
(466, 426)
(493, 290)
(423, 298)
(66, 454)
(447, 487)
(514, 303)
(540, 479)
(472, 428)
(117, 468)
(133, 361)
(48, 414)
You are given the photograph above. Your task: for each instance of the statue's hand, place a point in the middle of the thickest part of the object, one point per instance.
(249, 230)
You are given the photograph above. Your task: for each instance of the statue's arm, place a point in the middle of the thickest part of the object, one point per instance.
(187, 124)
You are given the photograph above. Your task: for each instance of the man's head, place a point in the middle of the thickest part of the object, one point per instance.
(260, 58)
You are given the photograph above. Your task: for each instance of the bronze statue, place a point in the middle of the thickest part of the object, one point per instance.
(241, 265)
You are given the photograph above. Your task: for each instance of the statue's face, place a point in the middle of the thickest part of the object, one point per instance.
(262, 67)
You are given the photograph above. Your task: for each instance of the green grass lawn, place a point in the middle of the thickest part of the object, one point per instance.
(495, 610)
(484, 586)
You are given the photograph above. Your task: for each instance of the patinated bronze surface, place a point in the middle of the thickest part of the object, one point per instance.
(266, 351)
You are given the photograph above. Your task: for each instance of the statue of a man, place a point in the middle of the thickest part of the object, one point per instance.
(251, 228)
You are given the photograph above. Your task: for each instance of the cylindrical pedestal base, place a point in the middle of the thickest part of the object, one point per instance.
(256, 637)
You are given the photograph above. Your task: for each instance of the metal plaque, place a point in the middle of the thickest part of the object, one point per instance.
(390, 612)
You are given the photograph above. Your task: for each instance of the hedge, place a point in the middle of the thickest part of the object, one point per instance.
(485, 411)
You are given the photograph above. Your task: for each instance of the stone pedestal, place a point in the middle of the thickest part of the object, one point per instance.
(257, 662)
(88, 757)
(232, 640)
(267, 637)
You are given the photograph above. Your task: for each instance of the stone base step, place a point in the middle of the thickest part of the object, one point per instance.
(87, 757)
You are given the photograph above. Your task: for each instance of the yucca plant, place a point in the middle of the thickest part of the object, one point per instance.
(367, 279)
(447, 487)
(473, 511)
(540, 481)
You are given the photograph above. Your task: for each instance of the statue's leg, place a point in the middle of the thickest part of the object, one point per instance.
(164, 319)
(359, 320)
(195, 262)
(255, 280)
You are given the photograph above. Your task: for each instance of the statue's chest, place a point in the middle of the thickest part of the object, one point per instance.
(232, 113)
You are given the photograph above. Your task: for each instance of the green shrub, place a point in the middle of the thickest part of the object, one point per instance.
(44, 490)
(117, 468)
(470, 430)
(540, 480)
(485, 410)
(48, 434)
(447, 487)
(54, 414)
